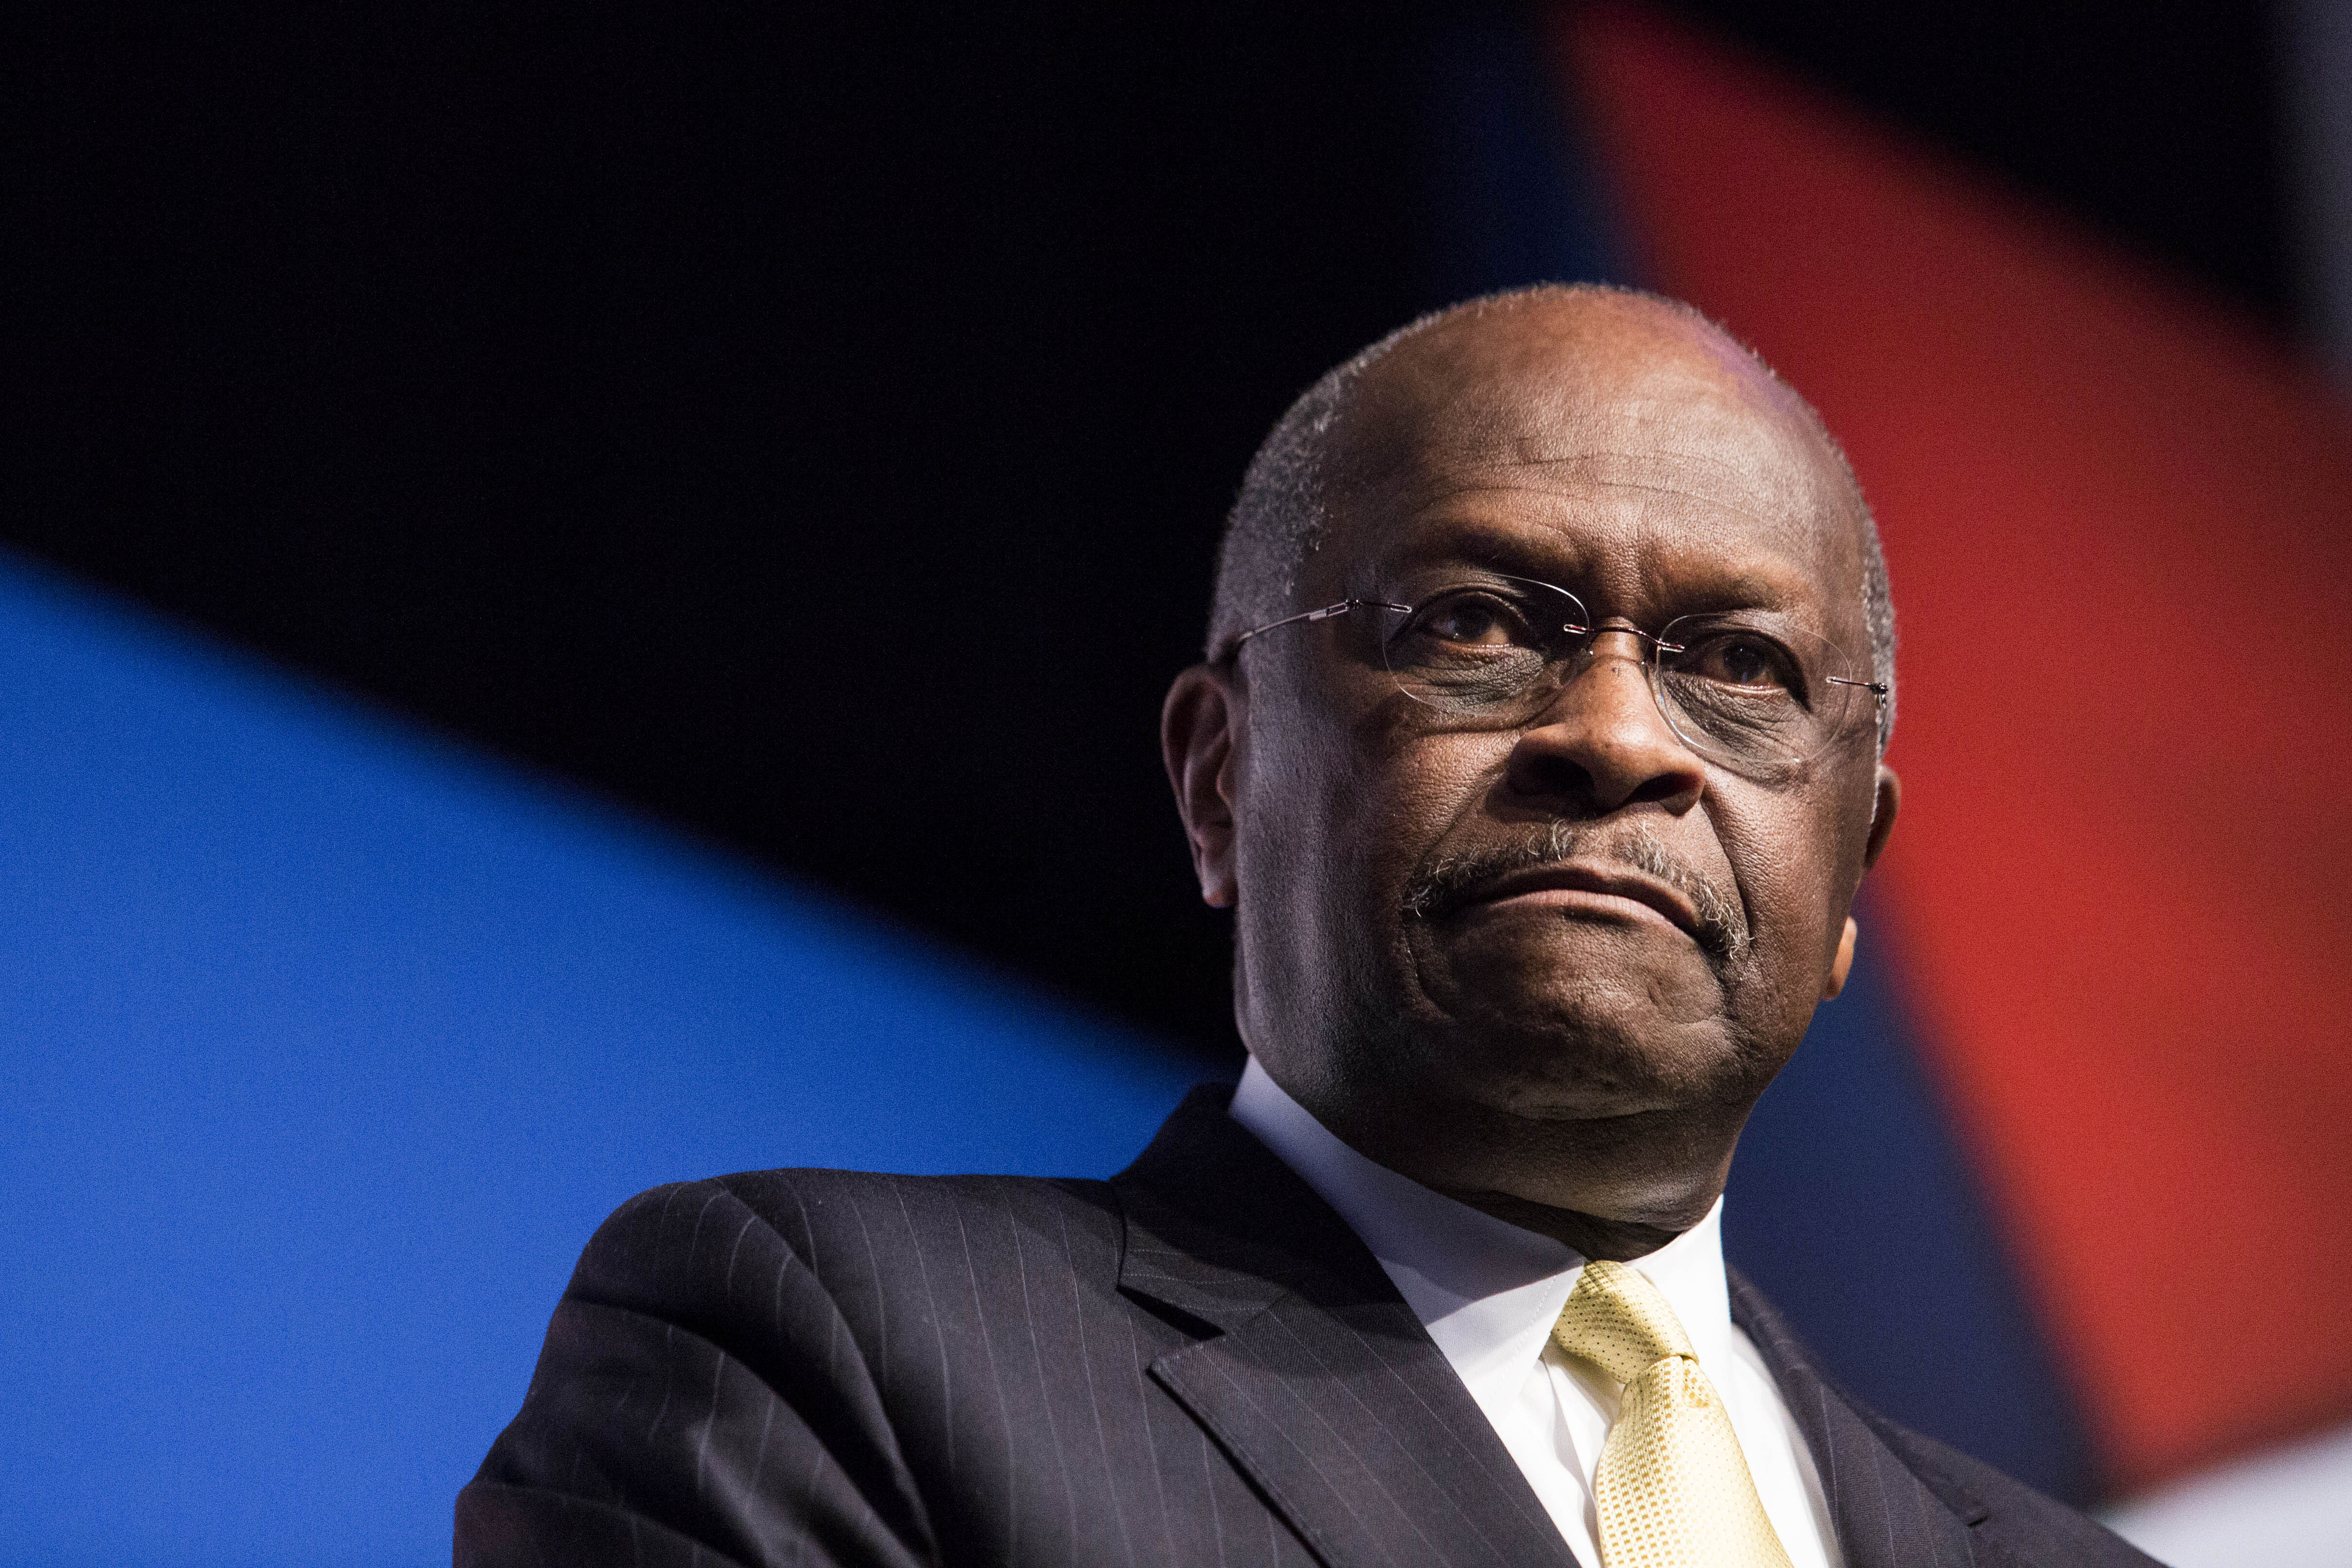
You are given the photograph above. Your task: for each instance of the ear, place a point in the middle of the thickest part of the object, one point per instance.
(1842, 965)
(1197, 726)
(1882, 809)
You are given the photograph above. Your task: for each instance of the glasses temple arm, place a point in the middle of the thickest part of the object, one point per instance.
(1324, 613)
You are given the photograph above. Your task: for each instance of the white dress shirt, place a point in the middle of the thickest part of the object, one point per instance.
(1488, 1293)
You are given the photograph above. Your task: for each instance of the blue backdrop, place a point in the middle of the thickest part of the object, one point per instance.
(327, 1045)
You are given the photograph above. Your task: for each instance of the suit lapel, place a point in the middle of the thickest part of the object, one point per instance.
(1887, 1511)
(1312, 1373)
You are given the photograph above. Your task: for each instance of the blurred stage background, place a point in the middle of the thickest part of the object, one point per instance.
(585, 597)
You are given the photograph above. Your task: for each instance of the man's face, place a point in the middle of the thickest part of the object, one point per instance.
(1578, 919)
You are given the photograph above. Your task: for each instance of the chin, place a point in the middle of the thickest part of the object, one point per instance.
(1577, 1051)
(1634, 992)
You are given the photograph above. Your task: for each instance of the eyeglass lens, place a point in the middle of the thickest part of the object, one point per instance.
(1749, 695)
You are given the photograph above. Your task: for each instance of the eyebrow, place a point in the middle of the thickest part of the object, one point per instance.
(1693, 584)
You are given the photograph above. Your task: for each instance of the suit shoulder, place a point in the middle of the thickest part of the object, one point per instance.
(802, 1184)
(826, 1219)
(2037, 1527)
(694, 1321)
(808, 1203)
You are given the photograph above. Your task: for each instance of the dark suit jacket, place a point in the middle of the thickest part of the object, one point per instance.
(1196, 1362)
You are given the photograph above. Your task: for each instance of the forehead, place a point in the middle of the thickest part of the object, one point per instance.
(1648, 468)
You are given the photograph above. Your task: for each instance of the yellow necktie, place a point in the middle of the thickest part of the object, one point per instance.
(1672, 1488)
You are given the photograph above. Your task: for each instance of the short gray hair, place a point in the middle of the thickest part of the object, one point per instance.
(1282, 512)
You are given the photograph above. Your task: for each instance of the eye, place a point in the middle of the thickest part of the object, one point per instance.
(1472, 620)
(1747, 659)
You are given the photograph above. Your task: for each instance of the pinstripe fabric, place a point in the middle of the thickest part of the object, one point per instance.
(1195, 1363)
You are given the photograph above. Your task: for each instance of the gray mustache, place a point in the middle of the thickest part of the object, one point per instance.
(1446, 885)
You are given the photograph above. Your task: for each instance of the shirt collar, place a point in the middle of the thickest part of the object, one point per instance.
(1486, 1290)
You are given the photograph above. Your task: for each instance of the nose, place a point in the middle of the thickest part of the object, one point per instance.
(1602, 744)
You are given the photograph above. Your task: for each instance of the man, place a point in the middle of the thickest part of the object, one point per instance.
(1536, 753)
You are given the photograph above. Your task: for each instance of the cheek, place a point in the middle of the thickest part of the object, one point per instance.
(1334, 833)
(1789, 858)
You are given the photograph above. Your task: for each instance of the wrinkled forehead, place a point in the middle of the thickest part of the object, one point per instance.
(1657, 470)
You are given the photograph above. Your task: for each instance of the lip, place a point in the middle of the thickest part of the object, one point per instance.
(1611, 882)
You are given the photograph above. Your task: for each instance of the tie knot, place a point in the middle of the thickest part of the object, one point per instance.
(1619, 1322)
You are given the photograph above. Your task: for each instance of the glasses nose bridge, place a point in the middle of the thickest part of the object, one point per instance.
(1586, 650)
(1587, 653)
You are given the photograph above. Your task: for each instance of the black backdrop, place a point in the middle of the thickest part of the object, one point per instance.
(812, 425)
